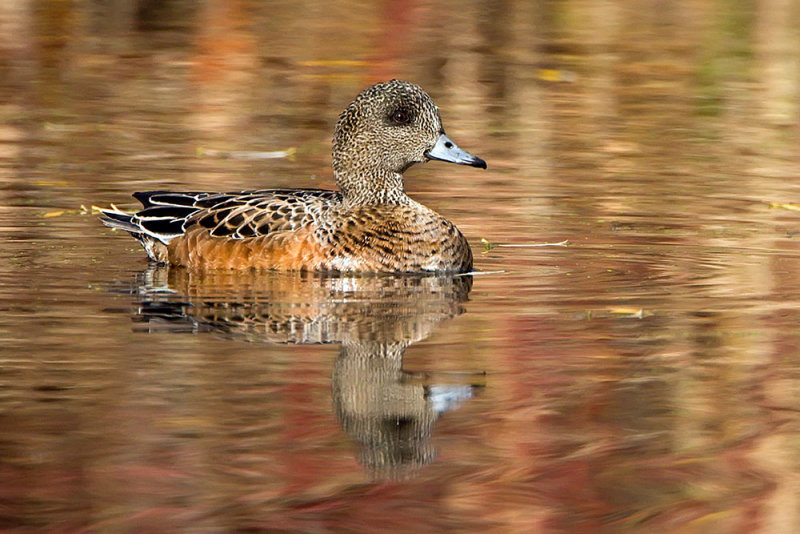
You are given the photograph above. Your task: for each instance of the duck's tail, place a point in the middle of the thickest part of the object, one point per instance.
(116, 218)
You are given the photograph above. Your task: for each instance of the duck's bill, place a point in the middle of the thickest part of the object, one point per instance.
(446, 150)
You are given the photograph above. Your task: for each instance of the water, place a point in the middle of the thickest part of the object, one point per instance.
(643, 378)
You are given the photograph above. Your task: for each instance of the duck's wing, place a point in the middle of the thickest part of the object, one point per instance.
(240, 215)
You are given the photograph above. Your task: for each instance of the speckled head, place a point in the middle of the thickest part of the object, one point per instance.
(386, 129)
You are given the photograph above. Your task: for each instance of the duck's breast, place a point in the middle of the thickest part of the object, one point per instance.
(396, 238)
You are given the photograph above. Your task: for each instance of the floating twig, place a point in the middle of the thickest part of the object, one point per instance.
(246, 154)
(488, 245)
(479, 273)
(531, 245)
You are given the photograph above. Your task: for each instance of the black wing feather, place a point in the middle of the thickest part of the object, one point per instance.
(165, 227)
(241, 215)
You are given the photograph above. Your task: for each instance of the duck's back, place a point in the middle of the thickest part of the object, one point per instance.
(223, 227)
(294, 229)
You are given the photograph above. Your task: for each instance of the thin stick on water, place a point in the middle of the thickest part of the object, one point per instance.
(489, 245)
(479, 273)
(530, 245)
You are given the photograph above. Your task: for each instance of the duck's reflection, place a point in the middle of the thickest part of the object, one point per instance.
(389, 412)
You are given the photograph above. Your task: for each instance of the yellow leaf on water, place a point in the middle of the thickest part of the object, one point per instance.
(548, 75)
(784, 205)
(717, 517)
(555, 75)
(51, 183)
(53, 213)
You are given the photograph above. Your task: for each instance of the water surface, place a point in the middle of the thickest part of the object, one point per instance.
(643, 378)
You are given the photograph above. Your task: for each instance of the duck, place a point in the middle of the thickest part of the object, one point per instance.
(369, 225)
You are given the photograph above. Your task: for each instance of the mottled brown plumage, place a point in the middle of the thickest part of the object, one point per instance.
(370, 226)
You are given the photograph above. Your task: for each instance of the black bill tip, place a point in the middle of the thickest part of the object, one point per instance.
(478, 162)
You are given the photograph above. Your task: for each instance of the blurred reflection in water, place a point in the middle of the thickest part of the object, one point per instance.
(388, 411)
(644, 379)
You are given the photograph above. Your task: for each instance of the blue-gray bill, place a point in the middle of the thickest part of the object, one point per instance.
(446, 150)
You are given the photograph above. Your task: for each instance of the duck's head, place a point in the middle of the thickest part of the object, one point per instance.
(389, 127)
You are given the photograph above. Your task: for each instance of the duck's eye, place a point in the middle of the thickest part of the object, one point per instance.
(401, 116)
